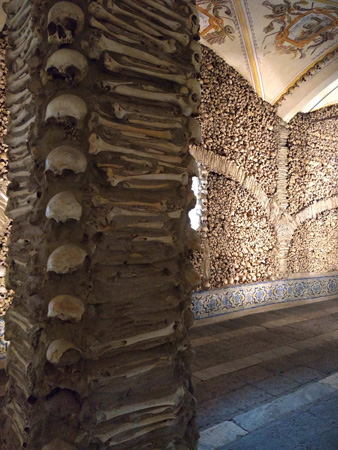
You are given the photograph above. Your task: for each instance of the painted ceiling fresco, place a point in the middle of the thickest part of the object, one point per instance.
(272, 43)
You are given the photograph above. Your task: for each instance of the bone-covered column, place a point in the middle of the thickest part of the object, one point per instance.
(102, 96)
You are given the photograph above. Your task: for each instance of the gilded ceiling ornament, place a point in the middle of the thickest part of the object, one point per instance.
(216, 19)
(300, 28)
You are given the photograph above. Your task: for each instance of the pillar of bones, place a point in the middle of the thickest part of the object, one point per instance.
(102, 96)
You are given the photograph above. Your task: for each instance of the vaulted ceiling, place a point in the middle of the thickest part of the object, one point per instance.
(287, 50)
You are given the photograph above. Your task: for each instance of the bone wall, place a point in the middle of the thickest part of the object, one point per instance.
(236, 231)
(5, 297)
(314, 247)
(247, 227)
(241, 239)
(313, 158)
(102, 97)
(236, 123)
(312, 182)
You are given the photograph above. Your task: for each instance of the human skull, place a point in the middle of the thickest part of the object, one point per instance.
(67, 109)
(196, 56)
(66, 259)
(64, 206)
(229, 29)
(66, 158)
(66, 307)
(64, 403)
(194, 97)
(63, 353)
(65, 21)
(68, 64)
(280, 9)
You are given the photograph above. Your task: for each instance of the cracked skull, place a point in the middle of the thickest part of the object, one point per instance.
(65, 21)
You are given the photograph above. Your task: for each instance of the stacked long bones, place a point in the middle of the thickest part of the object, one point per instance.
(141, 148)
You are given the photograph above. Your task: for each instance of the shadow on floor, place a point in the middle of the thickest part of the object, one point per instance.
(251, 361)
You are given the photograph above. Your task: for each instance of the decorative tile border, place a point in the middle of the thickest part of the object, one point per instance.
(230, 299)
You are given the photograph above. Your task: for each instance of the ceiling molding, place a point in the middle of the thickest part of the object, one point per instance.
(237, 30)
(244, 23)
(316, 87)
(308, 73)
(277, 45)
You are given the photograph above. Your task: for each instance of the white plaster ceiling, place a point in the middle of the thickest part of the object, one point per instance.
(274, 43)
(309, 94)
(329, 96)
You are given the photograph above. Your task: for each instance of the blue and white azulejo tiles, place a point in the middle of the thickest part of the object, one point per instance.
(244, 297)
(241, 297)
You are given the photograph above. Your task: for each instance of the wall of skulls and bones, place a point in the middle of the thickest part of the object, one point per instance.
(254, 186)
(269, 193)
(268, 197)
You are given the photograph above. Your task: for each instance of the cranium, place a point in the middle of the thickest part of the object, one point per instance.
(67, 108)
(64, 206)
(66, 158)
(66, 307)
(280, 9)
(65, 259)
(68, 64)
(65, 21)
(229, 29)
(63, 353)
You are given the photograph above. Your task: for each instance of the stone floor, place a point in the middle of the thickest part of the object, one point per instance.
(273, 363)
(267, 381)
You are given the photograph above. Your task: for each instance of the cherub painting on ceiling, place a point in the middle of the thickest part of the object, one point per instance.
(300, 28)
(217, 20)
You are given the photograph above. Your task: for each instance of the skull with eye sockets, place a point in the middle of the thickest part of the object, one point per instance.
(65, 21)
